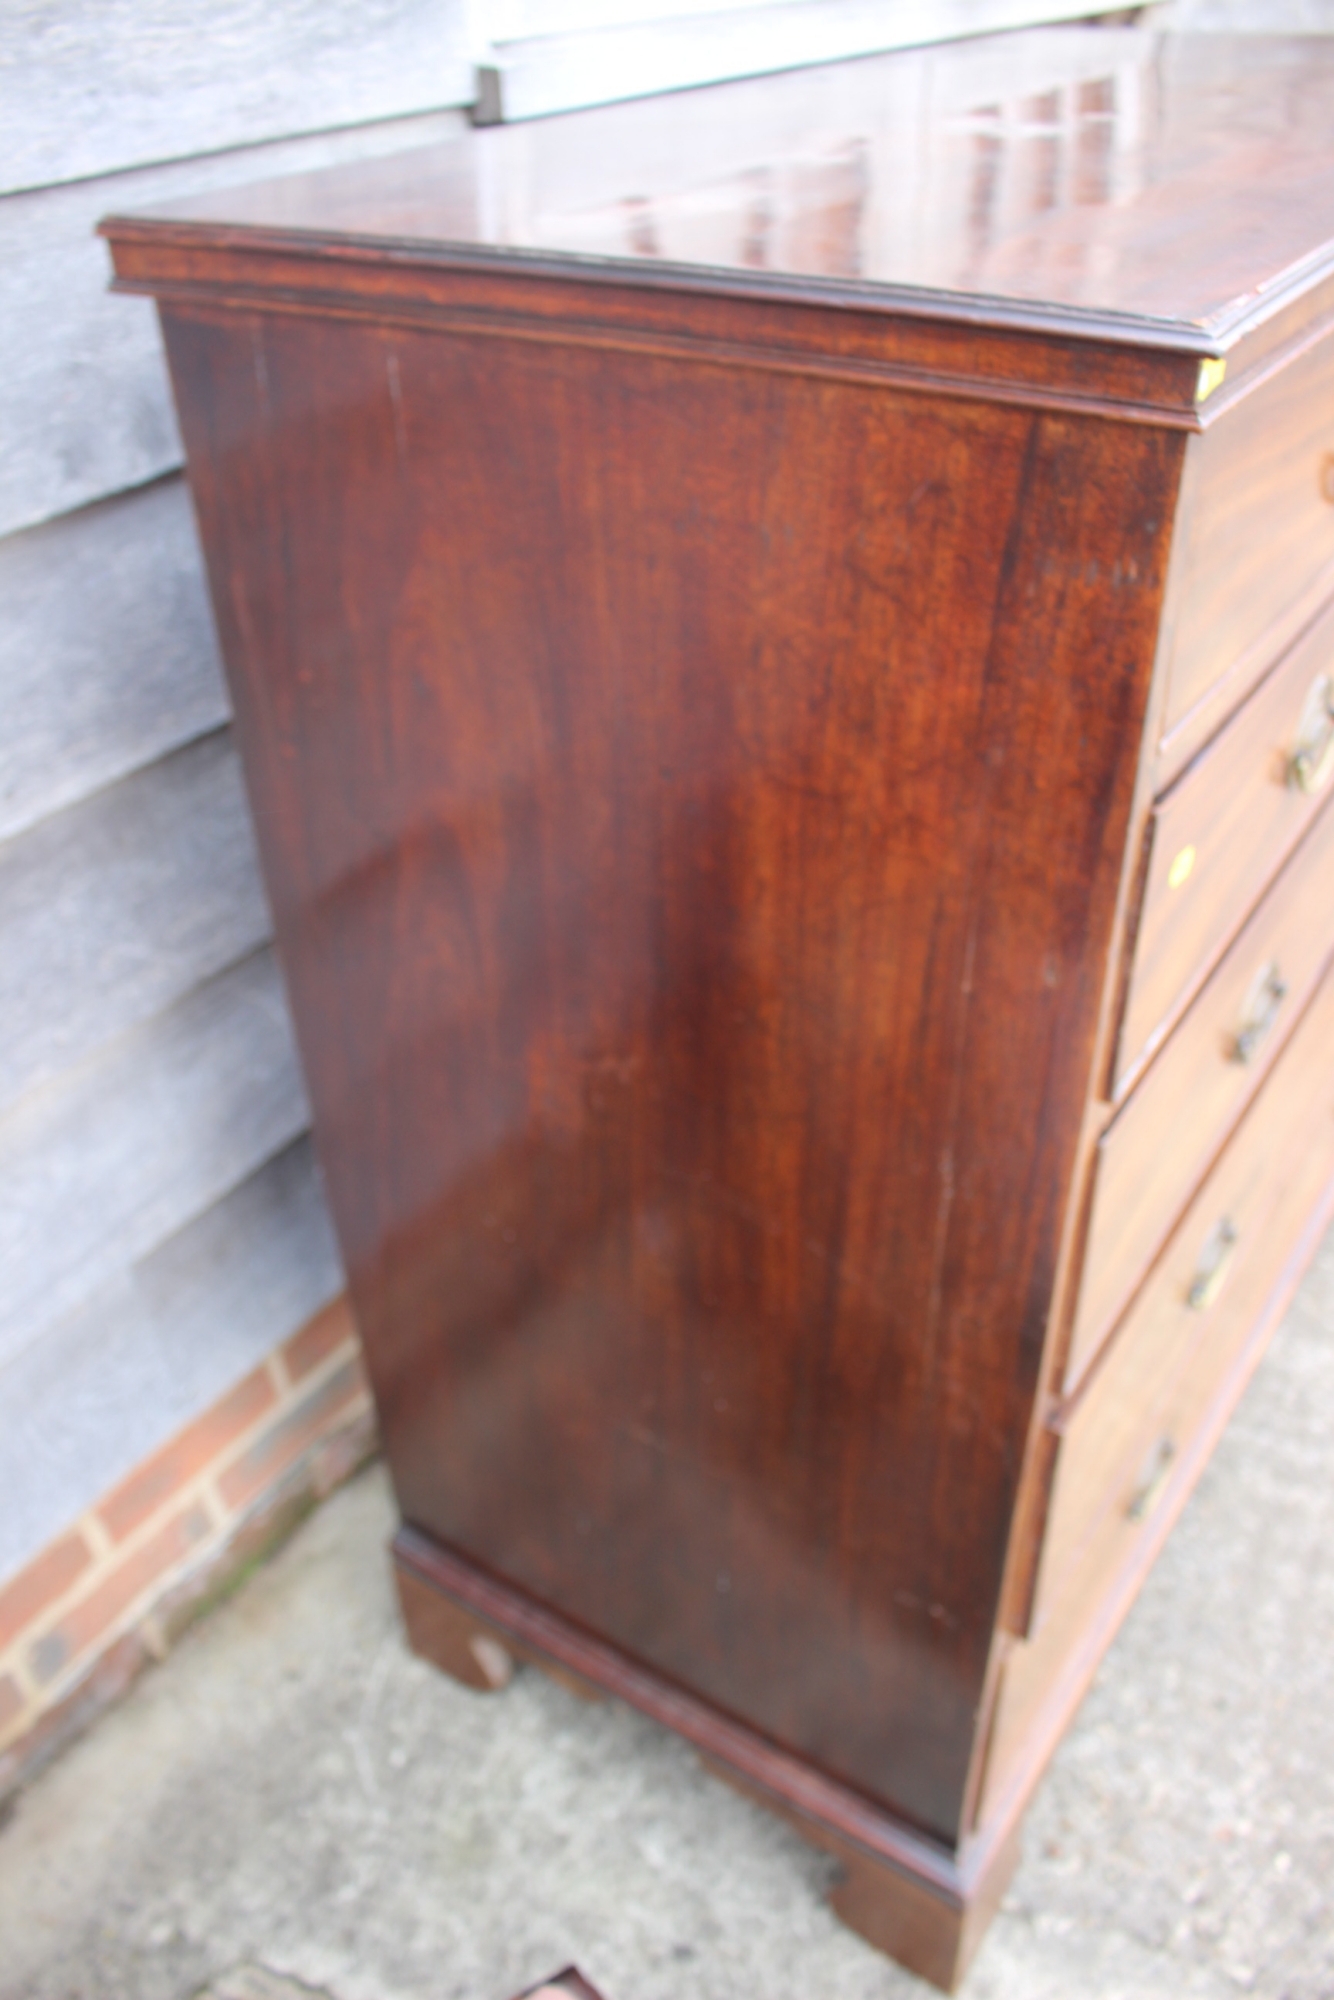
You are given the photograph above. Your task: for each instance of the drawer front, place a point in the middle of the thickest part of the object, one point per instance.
(1163, 1138)
(1208, 1287)
(1158, 1454)
(1258, 542)
(1222, 832)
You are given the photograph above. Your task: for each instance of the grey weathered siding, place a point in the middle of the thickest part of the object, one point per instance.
(118, 1153)
(91, 86)
(107, 655)
(1249, 17)
(161, 1221)
(162, 1339)
(121, 905)
(548, 55)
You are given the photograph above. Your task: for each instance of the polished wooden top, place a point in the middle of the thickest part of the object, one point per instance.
(1176, 190)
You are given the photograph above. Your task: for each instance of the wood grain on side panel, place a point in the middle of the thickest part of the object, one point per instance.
(663, 802)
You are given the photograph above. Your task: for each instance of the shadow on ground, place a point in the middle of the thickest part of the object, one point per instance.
(293, 1798)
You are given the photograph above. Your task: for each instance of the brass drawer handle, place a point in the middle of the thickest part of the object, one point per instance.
(1215, 1260)
(1313, 759)
(1152, 1479)
(1326, 469)
(1259, 1013)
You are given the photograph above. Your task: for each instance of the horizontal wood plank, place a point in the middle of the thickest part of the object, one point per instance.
(110, 84)
(106, 1162)
(121, 905)
(107, 653)
(160, 1342)
(84, 406)
(550, 69)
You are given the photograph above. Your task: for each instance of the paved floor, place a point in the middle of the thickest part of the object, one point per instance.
(293, 1798)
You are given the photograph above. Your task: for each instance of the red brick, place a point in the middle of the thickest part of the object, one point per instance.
(45, 1579)
(11, 1700)
(319, 1338)
(89, 1620)
(264, 1461)
(151, 1485)
(104, 1683)
(345, 1452)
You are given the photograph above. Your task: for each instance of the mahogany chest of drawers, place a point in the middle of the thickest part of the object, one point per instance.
(783, 642)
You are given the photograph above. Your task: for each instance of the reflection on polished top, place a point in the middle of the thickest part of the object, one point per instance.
(1179, 180)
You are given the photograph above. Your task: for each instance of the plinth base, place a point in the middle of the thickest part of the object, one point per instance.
(907, 1896)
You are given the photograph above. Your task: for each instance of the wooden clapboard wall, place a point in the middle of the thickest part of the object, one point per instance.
(161, 1224)
(549, 55)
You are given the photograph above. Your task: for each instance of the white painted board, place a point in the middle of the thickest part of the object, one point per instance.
(93, 86)
(103, 1164)
(530, 78)
(158, 1344)
(1248, 17)
(118, 907)
(107, 653)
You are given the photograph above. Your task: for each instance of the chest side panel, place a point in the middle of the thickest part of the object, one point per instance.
(693, 803)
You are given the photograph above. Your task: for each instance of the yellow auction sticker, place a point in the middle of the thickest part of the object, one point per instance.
(1212, 370)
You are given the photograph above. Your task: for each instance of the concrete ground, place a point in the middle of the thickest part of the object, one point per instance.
(292, 1798)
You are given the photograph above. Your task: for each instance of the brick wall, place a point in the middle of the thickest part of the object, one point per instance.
(114, 1590)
